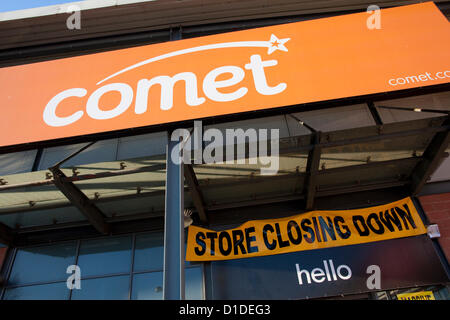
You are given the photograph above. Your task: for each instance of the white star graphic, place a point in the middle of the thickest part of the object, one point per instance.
(277, 44)
(272, 45)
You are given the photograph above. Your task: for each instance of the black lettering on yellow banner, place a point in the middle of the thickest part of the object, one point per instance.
(422, 295)
(306, 231)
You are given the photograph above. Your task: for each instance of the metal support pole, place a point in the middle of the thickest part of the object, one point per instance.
(312, 167)
(174, 225)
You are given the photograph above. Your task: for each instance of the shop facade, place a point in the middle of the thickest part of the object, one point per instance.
(85, 192)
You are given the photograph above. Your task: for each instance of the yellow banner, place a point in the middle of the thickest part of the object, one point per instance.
(306, 231)
(422, 295)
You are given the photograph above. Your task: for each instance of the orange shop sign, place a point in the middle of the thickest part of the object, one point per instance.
(223, 74)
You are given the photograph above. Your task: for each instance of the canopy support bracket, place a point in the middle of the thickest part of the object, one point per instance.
(80, 200)
(431, 159)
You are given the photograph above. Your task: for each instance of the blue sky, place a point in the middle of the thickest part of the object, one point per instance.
(10, 5)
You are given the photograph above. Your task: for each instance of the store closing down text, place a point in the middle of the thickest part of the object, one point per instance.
(307, 231)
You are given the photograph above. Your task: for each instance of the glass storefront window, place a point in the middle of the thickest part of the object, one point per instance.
(148, 286)
(107, 288)
(194, 284)
(105, 256)
(149, 252)
(52, 291)
(42, 264)
(113, 268)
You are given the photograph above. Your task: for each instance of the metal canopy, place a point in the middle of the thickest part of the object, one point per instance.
(47, 25)
(311, 166)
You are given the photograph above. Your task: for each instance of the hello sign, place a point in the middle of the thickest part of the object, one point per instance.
(224, 74)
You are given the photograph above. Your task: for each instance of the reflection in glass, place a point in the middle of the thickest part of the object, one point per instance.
(108, 288)
(105, 266)
(194, 284)
(53, 291)
(147, 286)
(105, 256)
(149, 252)
(42, 264)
